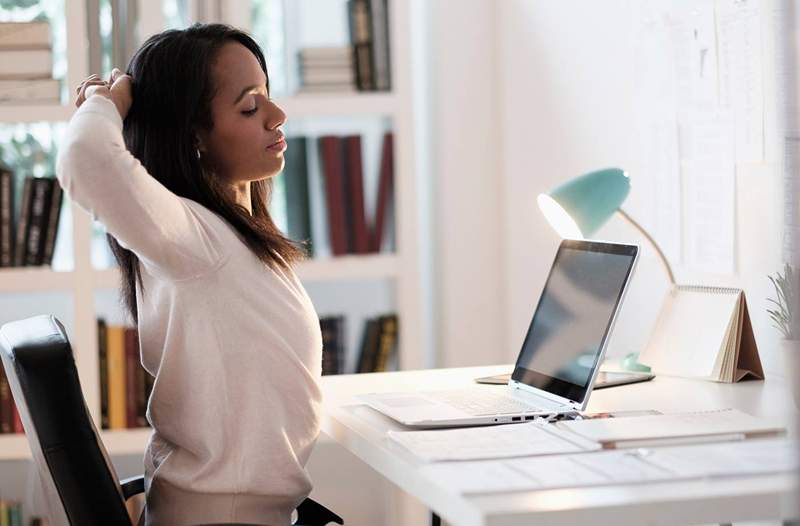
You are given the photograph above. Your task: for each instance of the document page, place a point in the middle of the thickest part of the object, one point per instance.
(754, 457)
(472, 443)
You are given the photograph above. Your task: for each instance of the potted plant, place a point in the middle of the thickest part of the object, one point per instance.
(784, 305)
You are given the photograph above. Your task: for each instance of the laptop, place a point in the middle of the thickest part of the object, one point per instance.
(559, 359)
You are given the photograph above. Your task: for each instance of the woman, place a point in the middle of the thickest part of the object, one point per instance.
(225, 326)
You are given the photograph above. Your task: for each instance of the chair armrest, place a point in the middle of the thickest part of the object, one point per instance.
(132, 486)
(311, 513)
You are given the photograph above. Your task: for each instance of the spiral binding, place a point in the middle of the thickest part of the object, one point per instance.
(708, 289)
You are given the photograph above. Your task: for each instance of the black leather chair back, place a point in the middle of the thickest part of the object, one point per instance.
(77, 476)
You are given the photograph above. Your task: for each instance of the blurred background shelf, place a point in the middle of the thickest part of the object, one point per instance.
(32, 279)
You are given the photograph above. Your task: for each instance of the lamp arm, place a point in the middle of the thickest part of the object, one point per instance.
(652, 241)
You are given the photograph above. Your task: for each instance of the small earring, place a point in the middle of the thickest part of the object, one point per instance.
(198, 152)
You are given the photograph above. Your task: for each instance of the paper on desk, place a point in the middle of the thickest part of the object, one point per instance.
(599, 468)
(513, 440)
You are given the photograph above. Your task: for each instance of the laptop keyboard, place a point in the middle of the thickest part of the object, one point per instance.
(485, 403)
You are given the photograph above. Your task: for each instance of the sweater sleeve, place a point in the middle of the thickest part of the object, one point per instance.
(98, 173)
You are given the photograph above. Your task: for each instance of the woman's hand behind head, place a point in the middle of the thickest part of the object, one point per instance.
(117, 88)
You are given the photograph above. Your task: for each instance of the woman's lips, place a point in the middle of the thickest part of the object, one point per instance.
(279, 146)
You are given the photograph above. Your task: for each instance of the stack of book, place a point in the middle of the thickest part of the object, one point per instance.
(29, 238)
(369, 36)
(11, 513)
(26, 64)
(327, 69)
(9, 416)
(124, 384)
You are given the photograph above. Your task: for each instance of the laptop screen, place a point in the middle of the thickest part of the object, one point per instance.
(574, 317)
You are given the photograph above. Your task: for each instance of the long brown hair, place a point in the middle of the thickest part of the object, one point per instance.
(172, 93)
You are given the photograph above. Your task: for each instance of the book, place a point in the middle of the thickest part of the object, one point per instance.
(115, 342)
(370, 341)
(379, 14)
(359, 233)
(295, 177)
(53, 218)
(383, 207)
(6, 413)
(16, 418)
(37, 224)
(26, 64)
(361, 40)
(30, 91)
(102, 361)
(332, 328)
(704, 332)
(34, 34)
(641, 431)
(6, 217)
(22, 222)
(132, 377)
(331, 156)
(387, 342)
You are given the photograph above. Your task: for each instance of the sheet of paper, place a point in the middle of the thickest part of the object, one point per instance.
(791, 204)
(752, 457)
(723, 421)
(741, 84)
(515, 440)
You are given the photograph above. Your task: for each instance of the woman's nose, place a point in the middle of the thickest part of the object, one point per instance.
(275, 117)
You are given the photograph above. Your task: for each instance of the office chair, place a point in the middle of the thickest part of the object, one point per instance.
(79, 481)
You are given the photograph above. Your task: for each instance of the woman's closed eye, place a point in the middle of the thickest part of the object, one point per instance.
(250, 111)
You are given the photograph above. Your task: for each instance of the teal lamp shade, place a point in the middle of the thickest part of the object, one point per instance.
(577, 208)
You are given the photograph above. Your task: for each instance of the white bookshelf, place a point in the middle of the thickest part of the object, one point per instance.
(404, 268)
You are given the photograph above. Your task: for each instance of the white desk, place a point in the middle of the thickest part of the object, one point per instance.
(362, 431)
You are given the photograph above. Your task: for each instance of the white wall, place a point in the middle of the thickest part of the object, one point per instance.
(530, 93)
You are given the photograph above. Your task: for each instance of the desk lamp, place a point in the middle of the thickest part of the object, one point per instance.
(577, 208)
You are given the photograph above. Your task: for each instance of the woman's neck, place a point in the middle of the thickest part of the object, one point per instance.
(241, 194)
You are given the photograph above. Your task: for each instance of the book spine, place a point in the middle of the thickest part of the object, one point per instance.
(6, 218)
(53, 216)
(379, 10)
(116, 377)
(16, 418)
(369, 346)
(361, 39)
(27, 35)
(332, 335)
(40, 205)
(132, 367)
(388, 341)
(22, 222)
(6, 412)
(102, 360)
(298, 207)
(359, 230)
(385, 185)
(331, 153)
(26, 64)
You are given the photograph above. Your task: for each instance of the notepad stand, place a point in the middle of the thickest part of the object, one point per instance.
(704, 332)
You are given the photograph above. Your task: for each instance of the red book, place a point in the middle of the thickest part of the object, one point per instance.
(385, 184)
(131, 366)
(355, 173)
(332, 161)
(17, 421)
(6, 404)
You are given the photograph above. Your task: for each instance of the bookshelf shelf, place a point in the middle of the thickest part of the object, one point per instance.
(14, 447)
(33, 279)
(321, 105)
(35, 113)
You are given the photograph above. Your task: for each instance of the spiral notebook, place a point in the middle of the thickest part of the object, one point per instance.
(704, 332)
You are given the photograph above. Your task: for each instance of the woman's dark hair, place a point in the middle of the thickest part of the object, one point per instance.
(172, 92)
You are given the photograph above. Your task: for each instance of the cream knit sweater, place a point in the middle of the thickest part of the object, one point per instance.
(235, 346)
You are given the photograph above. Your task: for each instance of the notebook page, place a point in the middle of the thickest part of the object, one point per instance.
(690, 331)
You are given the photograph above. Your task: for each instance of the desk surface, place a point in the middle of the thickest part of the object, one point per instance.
(363, 432)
